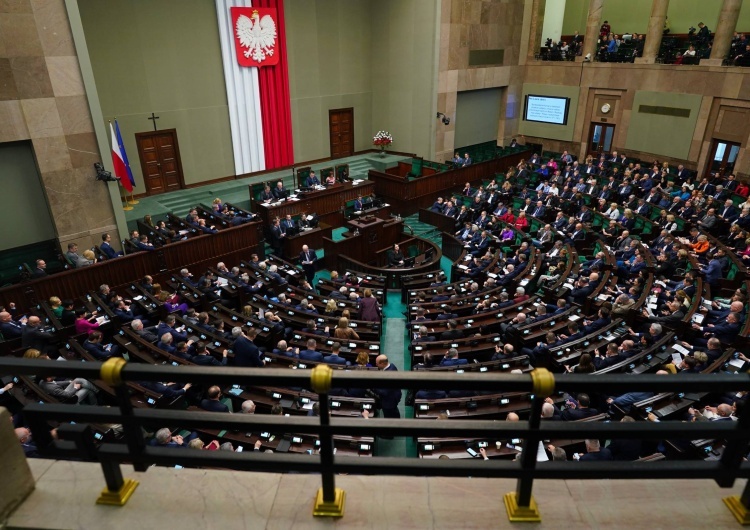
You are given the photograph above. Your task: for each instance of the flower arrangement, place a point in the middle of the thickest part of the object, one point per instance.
(382, 139)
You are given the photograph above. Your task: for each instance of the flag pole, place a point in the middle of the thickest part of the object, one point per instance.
(125, 205)
(132, 199)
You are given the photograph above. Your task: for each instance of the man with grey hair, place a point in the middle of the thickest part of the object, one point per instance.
(451, 358)
(248, 407)
(594, 452)
(164, 438)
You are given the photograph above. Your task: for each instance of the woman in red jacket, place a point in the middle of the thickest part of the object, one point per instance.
(521, 223)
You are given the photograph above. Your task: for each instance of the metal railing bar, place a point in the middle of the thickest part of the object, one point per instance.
(397, 427)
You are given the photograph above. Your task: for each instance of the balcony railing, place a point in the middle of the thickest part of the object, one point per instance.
(77, 440)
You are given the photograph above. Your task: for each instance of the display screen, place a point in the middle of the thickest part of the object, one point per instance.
(546, 109)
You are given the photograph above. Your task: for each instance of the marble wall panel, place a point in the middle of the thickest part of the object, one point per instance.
(19, 36)
(31, 77)
(53, 27)
(52, 154)
(83, 149)
(8, 88)
(12, 122)
(65, 76)
(42, 118)
(74, 114)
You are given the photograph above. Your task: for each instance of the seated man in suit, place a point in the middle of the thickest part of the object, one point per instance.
(39, 270)
(212, 401)
(359, 204)
(311, 354)
(143, 244)
(102, 352)
(9, 328)
(266, 196)
(280, 192)
(575, 409)
(107, 249)
(395, 257)
(451, 358)
(144, 333)
(312, 180)
(452, 333)
(203, 357)
(466, 161)
(83, 390)
(334, 358)
(76, 259)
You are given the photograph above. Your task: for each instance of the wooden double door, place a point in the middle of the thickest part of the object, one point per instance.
(341, 127)
(160, 161)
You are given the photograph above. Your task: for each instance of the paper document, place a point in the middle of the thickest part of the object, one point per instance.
(737, 363)
(681, 349)
(677, 358)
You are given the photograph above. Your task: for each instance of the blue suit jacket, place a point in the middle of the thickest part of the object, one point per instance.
(713, 271)
(310, 355)
(453, 362)
(108, 251)
(246, 353)
(335, 359)
(176, 335)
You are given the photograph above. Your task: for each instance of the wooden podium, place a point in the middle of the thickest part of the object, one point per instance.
(373, 235)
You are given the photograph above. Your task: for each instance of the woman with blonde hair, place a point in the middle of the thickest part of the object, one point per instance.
(330, 308)
(55, 305)
(343, 331)
(613, 212)
(247, 311)
(90, 257)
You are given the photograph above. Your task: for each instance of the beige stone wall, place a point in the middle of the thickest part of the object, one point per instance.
(478, 25)
(42, 99)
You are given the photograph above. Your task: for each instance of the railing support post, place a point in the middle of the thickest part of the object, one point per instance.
(739, 505)
(118, 490)
(329, 502)
(520, 504)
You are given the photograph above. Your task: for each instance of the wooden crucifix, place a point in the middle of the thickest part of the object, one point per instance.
(154, 118)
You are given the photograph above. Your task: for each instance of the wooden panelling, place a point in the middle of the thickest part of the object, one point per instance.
(228, 245)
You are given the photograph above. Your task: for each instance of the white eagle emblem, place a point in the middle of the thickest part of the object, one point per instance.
(257, 34)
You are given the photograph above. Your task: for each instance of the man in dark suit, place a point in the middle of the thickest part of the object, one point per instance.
(576, 409)
(266, 195)
(359, 204)
(334, 358)
(312, 180)
(246, 353)
(311, 354)
(539, 210)
(389, 397)
(39, 271)
(212, 403)
(451, 358)
(452, 333)
(168, 326)
(277, 237)
(107, 249)
(280, 192)
(34, 337)
(93, 345)
(308, 260)
(167, 391)
(9, 327)
(203, 357)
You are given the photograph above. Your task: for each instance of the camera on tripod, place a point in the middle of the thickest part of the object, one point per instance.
(104, 175)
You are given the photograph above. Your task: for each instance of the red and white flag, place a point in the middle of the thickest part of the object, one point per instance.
(119, 160)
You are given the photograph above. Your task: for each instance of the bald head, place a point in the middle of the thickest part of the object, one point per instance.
(33, 321)
(5, 316)
(512, 416)
(381, 361)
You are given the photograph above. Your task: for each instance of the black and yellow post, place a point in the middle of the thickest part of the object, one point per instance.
(732, 458)
(520, 504)
(118, 490)
(329, 502)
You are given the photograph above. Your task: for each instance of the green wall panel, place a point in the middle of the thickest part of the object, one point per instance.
(660, 134)
(477, 115)
(22, 201)
(164, 57)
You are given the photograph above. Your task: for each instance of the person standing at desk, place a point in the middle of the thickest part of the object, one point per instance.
(277, 237)
(288, 223)
(359, 204)
(308, 258)
(312, 180)
(395, 257)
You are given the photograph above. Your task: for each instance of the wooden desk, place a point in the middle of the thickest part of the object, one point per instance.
(329, 203)
(312, 238)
